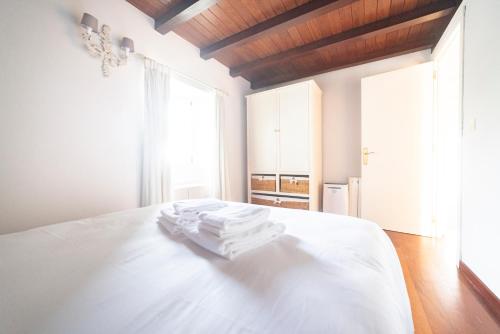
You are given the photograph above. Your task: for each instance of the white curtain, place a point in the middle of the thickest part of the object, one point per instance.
(220, 186)
(155, 181)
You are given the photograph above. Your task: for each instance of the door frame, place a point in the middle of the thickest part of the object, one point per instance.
(457, 22)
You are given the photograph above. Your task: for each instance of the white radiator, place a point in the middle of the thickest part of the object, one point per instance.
(189, 192)
(354, 196)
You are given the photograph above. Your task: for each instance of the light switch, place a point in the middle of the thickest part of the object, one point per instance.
(470, 125)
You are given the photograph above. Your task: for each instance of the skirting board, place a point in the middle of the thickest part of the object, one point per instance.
(487, 297)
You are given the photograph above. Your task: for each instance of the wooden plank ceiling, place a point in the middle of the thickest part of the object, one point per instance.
(274, 41)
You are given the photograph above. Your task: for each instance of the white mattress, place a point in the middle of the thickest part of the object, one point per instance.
(120, 273)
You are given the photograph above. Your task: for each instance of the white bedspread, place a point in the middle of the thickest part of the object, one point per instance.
(120, 273)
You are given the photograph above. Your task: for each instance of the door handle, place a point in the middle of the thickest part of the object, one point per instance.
(366, 153)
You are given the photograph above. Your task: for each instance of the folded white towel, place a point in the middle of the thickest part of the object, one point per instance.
(173, 222)
(231, 231)
(198, 205)
(231, 248)
(170, 215)
(172, 227)
(236, 237)
(235, 217)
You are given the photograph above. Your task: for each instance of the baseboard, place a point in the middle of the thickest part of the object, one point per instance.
(487, 297)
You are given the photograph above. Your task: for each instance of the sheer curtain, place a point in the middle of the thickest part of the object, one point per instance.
(155, 181)
(220, 185)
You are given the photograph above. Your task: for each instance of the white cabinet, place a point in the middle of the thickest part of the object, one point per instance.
(262, 141)
(294, 143)
(285, 145)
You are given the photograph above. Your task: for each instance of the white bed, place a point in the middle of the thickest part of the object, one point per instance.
(121, 273)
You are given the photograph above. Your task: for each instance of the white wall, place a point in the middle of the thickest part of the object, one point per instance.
(481, 142)
(342, 113)
(70, 138)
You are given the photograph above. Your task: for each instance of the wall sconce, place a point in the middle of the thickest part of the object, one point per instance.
(103, 49)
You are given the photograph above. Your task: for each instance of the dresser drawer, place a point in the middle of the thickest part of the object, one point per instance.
(294, 184)
(261, 182)
(265, 200)
(281, 201)
(295, 203)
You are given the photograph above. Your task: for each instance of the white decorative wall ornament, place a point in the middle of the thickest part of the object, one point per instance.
(104, 47)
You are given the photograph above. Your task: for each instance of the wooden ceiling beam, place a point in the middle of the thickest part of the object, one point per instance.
(420, 15)
(381, 54)
(180, 13)
(275, 24)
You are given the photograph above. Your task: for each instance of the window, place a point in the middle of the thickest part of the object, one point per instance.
(192, 134)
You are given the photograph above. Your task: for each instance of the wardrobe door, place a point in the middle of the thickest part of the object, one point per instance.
(262, 128)
(294, 152)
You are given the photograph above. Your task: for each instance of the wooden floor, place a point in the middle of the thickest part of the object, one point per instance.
(441, 300)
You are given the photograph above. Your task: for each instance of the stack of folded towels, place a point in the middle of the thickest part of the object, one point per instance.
(186, 213)
(227, 230)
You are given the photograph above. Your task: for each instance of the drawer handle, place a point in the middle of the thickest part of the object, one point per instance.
(293, 180)
(277, 201)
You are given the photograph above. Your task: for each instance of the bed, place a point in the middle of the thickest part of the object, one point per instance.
(121, 273)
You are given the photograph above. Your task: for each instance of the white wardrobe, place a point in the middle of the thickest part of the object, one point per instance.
(285, 146)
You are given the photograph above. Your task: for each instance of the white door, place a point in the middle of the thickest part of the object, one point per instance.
(294, 154)
(262, 132)
(396, 136)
